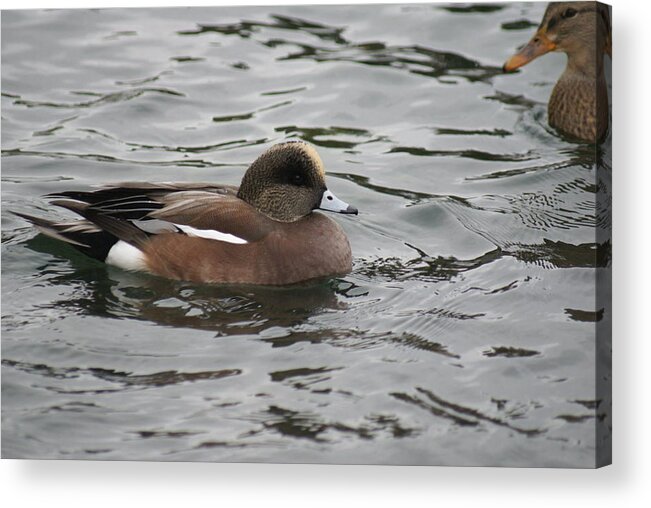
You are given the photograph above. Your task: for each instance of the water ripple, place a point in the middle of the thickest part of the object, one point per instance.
(460, 415)
(101, 100)
(413, 58)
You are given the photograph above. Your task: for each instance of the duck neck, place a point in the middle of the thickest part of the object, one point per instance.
(578, 105)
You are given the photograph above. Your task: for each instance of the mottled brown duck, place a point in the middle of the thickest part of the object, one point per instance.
(578, 105)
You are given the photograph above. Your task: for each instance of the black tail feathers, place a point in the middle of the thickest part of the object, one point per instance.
(83, 235)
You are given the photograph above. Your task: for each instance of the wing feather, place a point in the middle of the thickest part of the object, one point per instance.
(133, 211)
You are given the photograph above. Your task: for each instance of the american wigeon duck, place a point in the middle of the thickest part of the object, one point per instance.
(578, 105)
(264, 232)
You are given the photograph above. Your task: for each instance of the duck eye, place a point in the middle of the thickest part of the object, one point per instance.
(569, 13)
(297, 179)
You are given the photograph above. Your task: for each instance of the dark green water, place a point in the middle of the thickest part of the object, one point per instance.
(465, 333)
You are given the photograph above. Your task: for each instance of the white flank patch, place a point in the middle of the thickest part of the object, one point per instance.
(126, 256)
(210, 234)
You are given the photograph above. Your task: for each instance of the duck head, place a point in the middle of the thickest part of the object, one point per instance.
(579, 29)
(287, 182)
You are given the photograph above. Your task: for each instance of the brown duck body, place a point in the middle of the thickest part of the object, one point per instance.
(276, 253)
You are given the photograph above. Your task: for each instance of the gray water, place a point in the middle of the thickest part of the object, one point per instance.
(465, 334)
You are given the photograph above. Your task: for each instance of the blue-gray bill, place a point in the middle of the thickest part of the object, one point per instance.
(332, 203)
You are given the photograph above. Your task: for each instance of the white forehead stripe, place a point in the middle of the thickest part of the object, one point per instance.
(314, 155)
(210, 234)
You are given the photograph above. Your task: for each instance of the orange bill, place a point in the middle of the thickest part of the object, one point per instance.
(538, 45)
